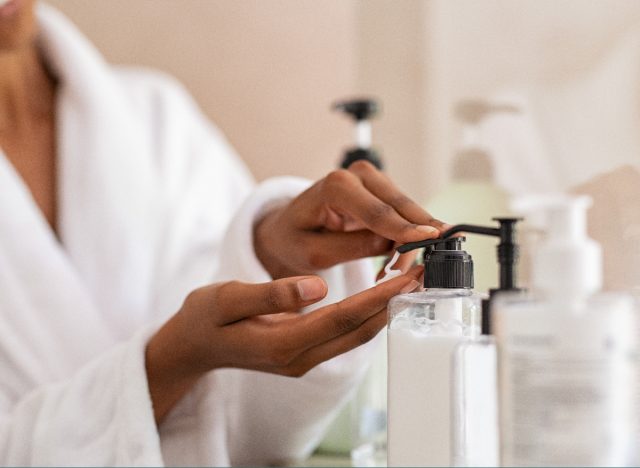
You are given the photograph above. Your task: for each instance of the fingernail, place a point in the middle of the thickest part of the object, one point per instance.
(410, 287)
(446, 227)
(310, 289)
(426, 229)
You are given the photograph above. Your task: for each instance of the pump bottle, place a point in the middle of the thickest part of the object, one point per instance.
(474, 432)
(423, 330)
(566, 354)
(361, 111)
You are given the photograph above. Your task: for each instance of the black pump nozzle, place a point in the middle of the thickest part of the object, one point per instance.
(507, 252)
(507, 248)
(447, 265)
(361, 110)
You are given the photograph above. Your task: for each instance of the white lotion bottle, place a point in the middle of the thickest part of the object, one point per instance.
(423, 330)
(474, 435)
(566, 355)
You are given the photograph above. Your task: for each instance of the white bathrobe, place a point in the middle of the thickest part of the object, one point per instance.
(152, 204)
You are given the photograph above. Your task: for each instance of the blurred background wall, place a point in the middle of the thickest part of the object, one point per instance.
(267, 71)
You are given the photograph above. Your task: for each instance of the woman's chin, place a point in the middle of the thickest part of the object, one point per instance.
(9, 8)
(17, 24)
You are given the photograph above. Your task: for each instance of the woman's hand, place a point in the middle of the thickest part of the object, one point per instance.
(350, 214)
(259, 327)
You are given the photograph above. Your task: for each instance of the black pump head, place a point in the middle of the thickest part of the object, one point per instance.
(446, 265)
(359, 109)
(507, 257)
(508, 250)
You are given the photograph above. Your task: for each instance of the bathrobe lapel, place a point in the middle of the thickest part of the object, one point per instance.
(46, 302)
(108, 216)
(69, 300)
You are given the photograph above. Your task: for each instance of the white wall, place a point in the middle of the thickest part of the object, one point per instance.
(545, 47)
(267, 70)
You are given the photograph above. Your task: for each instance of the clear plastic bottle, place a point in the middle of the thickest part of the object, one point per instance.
(423, 330)
(474, 435)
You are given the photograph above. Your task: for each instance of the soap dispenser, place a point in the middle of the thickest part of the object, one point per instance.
(566, 354)
(474, 433)
(361, 111)
(423, 330)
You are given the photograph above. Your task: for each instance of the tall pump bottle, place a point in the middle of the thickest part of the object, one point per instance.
(423, 330)
(474, 434)
(566, 366)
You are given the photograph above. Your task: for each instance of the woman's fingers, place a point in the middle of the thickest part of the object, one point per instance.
(339, 345)
(383, 188)
(326, 249)
(289, 240)
(358, 202)
(356, 321)
(343, 192)
(349, 314)
(272, 342)
(235, 300)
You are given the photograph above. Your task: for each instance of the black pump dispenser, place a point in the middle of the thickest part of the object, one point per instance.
(447, 265)
(361, 110)
(507, 253)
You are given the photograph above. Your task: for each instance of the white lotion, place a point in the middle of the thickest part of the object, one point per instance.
(475, 404)
(419, 408)
(424, 330)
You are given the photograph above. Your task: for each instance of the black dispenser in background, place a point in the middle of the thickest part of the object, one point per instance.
(361, 111)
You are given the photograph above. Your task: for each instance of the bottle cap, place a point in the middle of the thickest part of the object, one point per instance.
(447, 265)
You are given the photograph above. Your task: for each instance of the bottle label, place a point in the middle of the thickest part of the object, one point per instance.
(567, 394)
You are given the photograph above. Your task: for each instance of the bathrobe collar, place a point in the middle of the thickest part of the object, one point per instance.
(99, 274)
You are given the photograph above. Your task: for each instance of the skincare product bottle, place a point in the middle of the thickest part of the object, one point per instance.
(361, 111)
(423, 330)
(472, 195)
(474, 432)
(566, 354)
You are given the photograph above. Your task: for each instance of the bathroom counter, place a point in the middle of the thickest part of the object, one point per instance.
(334, 460)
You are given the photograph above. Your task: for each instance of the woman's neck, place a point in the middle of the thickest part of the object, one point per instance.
(26, 89)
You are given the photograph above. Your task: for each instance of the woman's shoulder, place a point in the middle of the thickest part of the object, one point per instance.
(173, 121)
(166, 108)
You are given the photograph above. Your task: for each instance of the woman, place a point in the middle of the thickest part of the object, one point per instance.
(119, 200)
